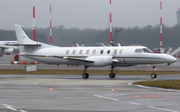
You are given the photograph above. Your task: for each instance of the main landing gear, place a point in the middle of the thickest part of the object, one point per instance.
(112, 75)
(153, 75)
(85, 75)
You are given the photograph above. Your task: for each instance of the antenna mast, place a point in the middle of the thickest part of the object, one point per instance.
(34, 27)
(50, 27)
(161, 44)
(111, 42)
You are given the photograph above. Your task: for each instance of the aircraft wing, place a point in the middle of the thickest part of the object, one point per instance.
(74, 59)
(6, 46)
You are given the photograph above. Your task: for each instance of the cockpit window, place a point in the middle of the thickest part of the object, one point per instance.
(146, 50)
(138, 50)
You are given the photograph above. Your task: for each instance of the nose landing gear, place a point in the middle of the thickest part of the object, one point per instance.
(153, 75)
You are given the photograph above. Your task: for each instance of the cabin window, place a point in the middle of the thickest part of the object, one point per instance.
(87, 52)
(138, 50)
(121, 51)
(94, 52)
(101, 51)
(80, 52)
(67, 52)
(115, 51)
(74, 51)
(146, 50)
(108, 51)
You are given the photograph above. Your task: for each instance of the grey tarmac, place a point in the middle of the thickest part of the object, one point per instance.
(70, 93)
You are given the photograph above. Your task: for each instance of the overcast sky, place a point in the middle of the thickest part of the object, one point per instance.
(87, 13)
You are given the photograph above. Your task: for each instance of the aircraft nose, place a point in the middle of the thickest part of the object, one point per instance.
(171, 59)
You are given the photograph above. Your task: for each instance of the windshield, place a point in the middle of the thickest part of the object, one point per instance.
(146, 50)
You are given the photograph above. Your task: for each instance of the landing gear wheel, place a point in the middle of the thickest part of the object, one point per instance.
(112, 75)
(85, 75)
(153, 75)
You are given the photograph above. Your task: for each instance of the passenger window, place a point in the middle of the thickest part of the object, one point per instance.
(108, 51)
(101, 51)
(115, 51)
(67, 52)
(74, 51)
(87, 52)
(138, 50)
(80, 52)
(94, 52)
(121, 51)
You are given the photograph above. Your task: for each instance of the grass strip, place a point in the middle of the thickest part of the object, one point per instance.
(77, 72)
(170, 84)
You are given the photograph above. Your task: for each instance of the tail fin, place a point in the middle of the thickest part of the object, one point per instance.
(22, 37)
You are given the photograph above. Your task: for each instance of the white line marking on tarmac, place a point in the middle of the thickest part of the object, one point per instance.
(106, 97)
(129, 83)
(168, 89)
(154, 88)
(9, 107)
(162, 109)
(143, 86)
(134, 103)
(157, 88)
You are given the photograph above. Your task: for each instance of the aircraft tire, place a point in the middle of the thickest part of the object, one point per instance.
(85, 75)
(112, 75)
(153, 75)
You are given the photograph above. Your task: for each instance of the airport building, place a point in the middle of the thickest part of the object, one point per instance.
(178, 16)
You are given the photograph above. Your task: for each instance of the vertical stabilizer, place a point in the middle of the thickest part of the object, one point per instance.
(22, 37)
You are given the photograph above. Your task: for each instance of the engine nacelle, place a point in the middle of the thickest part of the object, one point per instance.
(99, 60)
(10, 50)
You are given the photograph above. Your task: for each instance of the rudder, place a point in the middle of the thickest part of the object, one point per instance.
(22, 37)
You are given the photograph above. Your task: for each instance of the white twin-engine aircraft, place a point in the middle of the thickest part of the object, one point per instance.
(116, 56)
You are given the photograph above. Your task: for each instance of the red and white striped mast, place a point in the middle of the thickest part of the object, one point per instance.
(50, 27)
(34, 27)
(111, 42)
(161, 44)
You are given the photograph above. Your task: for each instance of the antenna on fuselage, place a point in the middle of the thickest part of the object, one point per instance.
(119, 44)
